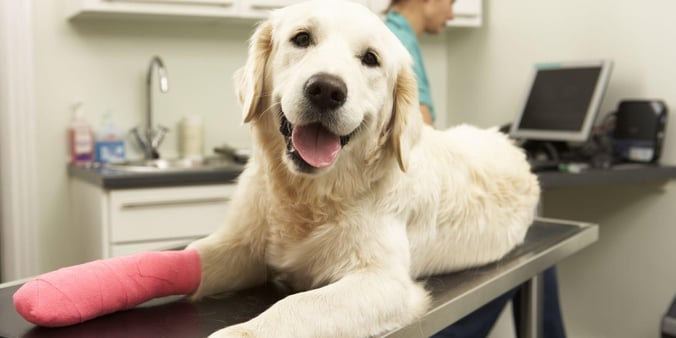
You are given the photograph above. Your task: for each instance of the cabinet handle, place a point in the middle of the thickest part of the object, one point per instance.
(169, 203)
(266, 7)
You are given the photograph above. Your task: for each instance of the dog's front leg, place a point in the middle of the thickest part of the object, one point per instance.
(233, 258)
(375, 296)
(361, 304)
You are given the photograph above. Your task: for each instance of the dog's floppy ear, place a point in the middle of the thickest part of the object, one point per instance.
(406, 122)
(250, 78)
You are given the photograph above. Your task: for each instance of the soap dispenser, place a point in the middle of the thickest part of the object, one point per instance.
(80, 137)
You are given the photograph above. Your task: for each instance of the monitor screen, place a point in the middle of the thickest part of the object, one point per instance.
(562, 102)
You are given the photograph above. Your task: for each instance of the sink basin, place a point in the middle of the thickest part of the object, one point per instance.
(173, 165)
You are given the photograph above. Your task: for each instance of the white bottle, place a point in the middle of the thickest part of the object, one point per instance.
(80, 137)
(192, 137)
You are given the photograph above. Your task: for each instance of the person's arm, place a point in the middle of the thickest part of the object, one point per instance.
(427, 117)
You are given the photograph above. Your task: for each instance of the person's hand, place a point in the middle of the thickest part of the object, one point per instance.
(427, 117)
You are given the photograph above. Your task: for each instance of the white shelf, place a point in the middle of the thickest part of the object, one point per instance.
(467, 12)
(157, 9)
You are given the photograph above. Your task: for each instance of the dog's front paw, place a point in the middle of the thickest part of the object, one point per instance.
(235, 331)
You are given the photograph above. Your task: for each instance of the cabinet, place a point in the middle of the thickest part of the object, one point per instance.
(120, 222)
(258, 9)
(467, 12)
(152, 9)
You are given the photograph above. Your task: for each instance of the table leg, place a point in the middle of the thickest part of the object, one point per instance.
(531, 308)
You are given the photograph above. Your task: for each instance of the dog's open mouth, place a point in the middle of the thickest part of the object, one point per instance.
(313, 144)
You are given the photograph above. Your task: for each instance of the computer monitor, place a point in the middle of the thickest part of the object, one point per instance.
(563, 101)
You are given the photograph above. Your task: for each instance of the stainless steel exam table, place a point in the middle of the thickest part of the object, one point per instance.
(454, 296)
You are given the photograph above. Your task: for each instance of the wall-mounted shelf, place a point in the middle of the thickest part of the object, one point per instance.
(152, 9)
(467, 12)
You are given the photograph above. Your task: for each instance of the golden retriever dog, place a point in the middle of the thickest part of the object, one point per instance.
(347, 197)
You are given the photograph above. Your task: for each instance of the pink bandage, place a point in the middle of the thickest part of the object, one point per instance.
(78, 293)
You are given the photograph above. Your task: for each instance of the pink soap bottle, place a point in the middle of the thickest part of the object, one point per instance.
(80, 137)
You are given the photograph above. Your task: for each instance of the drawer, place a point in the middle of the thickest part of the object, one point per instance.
(167, 213)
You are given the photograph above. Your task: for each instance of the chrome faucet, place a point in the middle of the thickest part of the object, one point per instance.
(150, 138)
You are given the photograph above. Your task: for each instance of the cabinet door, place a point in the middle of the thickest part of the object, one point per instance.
(167, 213)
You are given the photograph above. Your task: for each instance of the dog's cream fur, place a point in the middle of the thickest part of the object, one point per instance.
(401, 200)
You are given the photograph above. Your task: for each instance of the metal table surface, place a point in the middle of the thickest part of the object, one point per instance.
(454, 295)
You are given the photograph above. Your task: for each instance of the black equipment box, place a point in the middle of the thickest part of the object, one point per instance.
(639, 130)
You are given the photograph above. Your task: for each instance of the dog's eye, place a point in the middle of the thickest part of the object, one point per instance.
(301, 39)
(369, 59)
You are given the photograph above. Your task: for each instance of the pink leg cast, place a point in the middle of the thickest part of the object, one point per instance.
(78, 293)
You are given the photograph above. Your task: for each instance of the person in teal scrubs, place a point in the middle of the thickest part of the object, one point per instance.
(408, 19)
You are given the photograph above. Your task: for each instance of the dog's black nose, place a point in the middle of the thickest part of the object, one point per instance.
(326, 91)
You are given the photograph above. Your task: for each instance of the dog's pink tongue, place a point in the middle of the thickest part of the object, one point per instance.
(316, 145)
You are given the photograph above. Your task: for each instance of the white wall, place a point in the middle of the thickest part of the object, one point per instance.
(621, 286)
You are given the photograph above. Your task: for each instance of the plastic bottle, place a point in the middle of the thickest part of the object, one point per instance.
(80, 137)
(192, 137)
(109, 141)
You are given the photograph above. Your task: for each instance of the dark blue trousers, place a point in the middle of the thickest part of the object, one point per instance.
(480, 322)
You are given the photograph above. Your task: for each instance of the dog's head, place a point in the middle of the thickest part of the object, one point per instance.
(331, 78)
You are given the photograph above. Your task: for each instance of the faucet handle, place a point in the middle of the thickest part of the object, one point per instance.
(139, 139)
(159, 136)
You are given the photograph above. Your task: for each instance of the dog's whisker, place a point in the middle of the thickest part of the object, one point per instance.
(274, 105)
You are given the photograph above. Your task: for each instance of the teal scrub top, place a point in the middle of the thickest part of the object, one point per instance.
(402, 29)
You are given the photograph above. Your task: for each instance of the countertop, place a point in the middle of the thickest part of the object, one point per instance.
(453, 295)
(617, 174)
(549, 179)
(114, 179)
